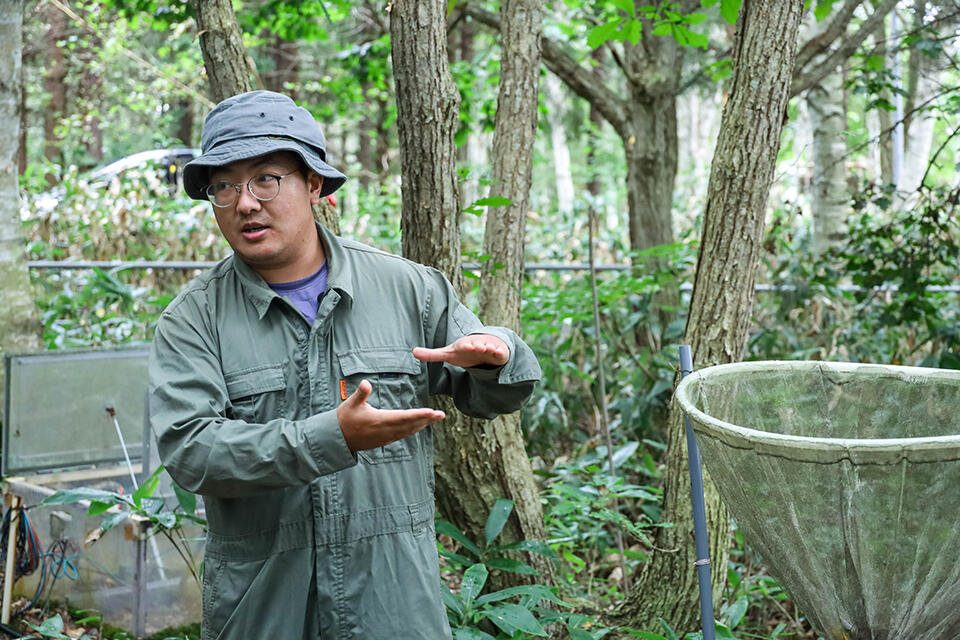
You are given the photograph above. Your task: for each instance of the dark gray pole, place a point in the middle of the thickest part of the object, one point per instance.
(699, 513)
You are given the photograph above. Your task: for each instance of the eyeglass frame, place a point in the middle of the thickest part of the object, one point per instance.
(237, 187)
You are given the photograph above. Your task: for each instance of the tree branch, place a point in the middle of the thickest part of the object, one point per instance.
(821, 42)
(580, 80)
(803, 80)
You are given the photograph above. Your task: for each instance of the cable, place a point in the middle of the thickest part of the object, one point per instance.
(30, 556)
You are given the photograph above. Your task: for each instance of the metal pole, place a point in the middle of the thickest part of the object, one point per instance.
(699, 513)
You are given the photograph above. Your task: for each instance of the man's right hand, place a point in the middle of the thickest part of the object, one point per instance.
(365, 427)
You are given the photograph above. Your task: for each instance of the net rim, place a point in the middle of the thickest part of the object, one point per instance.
(817, 449)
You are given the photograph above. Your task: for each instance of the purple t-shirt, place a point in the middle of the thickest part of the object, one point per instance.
(305, 293)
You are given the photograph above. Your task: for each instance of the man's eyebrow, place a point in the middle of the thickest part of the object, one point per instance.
(265, 160)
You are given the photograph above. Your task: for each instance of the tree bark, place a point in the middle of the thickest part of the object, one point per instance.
(740, 178)
(286, 67)
(54, 82)
(428, 104)
(645, 120)
(477, 461)
(501, 281)
(19, 322)
(224, 56)
(825, 102)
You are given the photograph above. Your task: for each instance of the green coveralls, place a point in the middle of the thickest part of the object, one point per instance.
(306, 539)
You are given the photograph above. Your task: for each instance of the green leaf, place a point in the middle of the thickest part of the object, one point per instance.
(532, 546)
(626, 6)
(736, 611)
(633, 30)
(469, 633)
(691, 38)
(513, 566)
(473, 580)
(186, 500)
(823, 9)
(114, 520)
(671, 634)
(447, 529)
(695, 18)
(646, 635)
(497, 519)
(493, 201)
(512, 618)
(729, 9)
(451, 600)
(51, 628)
(148, 487)
(603, 33)
(663, 29)
(540, 591)
(70, 496)
(97, 507)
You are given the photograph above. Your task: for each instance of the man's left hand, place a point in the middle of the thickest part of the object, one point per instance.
(468, 351)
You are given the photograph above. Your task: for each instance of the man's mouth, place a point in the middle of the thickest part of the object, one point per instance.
(253, 231)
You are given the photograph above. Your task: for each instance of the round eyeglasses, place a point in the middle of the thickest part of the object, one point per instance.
(263, 187)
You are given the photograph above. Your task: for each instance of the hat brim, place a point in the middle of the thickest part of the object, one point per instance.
(195, 172)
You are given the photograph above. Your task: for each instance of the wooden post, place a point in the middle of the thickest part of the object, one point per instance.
(8, 576)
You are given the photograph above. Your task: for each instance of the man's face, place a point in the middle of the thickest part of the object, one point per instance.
(276, 237)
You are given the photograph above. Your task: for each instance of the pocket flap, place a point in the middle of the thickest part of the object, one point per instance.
(255, 380)
(396, 360)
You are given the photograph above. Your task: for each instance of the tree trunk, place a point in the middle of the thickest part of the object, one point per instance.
(90, 94)
(720, 308)
(286, 67)
(428, 104)
(184, 130)
(22, 137)
(885, 139)
(555, 98)
(19, 323)
(477, 461)
(54, 82)
(828, 119)
(224, 57)
(924, 84)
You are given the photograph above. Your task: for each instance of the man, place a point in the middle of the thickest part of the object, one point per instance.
(288, 387)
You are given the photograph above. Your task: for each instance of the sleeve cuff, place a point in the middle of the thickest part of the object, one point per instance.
(326, 443)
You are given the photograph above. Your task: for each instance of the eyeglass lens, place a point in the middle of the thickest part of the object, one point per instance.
(263, 187)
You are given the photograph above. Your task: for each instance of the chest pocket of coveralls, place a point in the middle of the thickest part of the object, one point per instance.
(257, 394)
(393, 374)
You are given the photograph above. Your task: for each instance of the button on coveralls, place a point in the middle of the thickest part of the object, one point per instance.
(306, 539)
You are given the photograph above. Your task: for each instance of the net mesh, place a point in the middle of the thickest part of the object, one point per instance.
(844, 478)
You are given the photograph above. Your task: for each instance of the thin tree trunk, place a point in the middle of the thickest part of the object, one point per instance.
(477, 461)
(830, 197)
(224, 56)
(428, 105)
(720, 308)
(22, 136)
(885, 141)
(19, 323)
(54, 82)
(286, 67)
(184, 130)
(553, 89)
(90, 94)
(502, 275)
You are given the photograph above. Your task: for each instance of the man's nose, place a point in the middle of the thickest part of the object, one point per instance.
(246, 203)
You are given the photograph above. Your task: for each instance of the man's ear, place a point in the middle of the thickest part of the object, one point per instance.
(314, 185)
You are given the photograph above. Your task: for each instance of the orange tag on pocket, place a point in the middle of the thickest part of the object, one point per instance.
(343, 389)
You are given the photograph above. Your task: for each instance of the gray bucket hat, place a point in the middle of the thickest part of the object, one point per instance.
(254, 124)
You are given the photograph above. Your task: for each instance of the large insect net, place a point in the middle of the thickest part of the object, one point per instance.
(845, 478)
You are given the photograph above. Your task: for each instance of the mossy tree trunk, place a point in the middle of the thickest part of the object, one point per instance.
(741, 174)
(19, 323)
